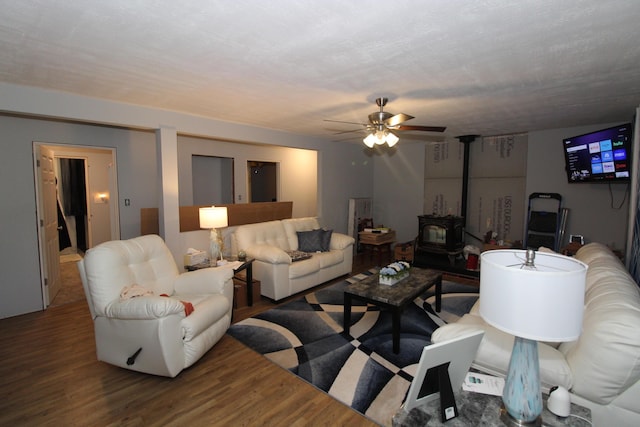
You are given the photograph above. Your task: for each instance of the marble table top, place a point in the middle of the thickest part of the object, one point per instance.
(476, 409)
(418, 281)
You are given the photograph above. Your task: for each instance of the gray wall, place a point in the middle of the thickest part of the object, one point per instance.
(596, 211)
(20, 289)
(399, 188)
(344, 171)
(342, 174)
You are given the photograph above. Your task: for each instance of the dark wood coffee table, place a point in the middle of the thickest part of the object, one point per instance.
(394, 298)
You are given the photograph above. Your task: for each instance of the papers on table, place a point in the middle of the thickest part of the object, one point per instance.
(481, 383)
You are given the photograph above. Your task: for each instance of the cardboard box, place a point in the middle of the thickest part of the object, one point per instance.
(492, 246)
(404, 251)
(377, 238)
(240, 298)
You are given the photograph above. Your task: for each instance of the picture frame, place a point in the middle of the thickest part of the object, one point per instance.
(441, 371)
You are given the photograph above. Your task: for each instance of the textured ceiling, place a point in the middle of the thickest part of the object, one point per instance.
(486, 67)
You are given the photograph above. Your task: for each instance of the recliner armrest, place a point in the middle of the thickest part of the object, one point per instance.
(203, 281)
(146, 307)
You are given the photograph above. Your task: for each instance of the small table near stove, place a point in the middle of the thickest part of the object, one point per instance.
(394, 298)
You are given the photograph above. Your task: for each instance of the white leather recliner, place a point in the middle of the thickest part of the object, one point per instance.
(155, 332)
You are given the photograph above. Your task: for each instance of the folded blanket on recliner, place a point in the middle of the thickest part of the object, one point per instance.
(135, 290)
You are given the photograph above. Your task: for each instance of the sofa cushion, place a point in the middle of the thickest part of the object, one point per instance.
(606, 358)
(327, 259)
(304, 268)
(293, 225)
(262, 233)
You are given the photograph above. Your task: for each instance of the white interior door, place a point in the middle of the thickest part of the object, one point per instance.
(50, 251)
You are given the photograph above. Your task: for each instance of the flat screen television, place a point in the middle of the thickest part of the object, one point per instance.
(600, 156)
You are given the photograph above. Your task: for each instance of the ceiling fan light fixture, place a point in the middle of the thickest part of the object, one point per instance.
(369, 140)
(392, 139)
(380, 137)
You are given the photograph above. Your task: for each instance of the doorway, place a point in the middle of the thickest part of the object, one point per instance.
(71, 194)
(77, 208)
(263, 181)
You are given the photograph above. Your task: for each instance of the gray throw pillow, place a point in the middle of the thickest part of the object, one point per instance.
(310, 241)
(326, 240)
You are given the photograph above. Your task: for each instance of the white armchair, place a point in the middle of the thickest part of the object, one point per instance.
(156, 333)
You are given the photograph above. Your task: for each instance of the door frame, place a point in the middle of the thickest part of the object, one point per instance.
(62, 150)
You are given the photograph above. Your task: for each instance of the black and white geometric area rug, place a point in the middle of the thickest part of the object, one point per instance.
(306, 337)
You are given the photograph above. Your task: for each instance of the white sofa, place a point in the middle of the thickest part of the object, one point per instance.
(142, 330)
(280, 277)
(602, 368)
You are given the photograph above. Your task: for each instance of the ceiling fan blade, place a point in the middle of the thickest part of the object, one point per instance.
(347, 131)
(351, 123)
(397, 119)
(422, 128)
(349, 138)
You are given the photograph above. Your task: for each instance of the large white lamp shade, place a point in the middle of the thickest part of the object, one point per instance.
(213, 217)
(544, 303)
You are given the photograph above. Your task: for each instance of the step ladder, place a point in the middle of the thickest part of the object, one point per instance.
(546, 221)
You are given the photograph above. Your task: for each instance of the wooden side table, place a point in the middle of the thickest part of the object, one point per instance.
(245, 266)
(378, 243)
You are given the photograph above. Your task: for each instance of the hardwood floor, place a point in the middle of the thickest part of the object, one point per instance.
(50, 376)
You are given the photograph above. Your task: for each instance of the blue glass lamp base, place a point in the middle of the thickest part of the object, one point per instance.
(214, 245)
(508, 420)
(521, 396)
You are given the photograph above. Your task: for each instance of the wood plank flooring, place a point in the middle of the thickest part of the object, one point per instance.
(49, 375)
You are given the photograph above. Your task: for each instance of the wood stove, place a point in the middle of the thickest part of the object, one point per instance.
(440, 234)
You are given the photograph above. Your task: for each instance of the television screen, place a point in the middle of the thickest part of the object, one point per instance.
(601, 156)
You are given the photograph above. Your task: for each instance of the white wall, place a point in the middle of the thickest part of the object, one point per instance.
(597, 211)
(398, 189)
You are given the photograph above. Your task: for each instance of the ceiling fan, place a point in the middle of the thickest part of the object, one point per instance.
(381, 123)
